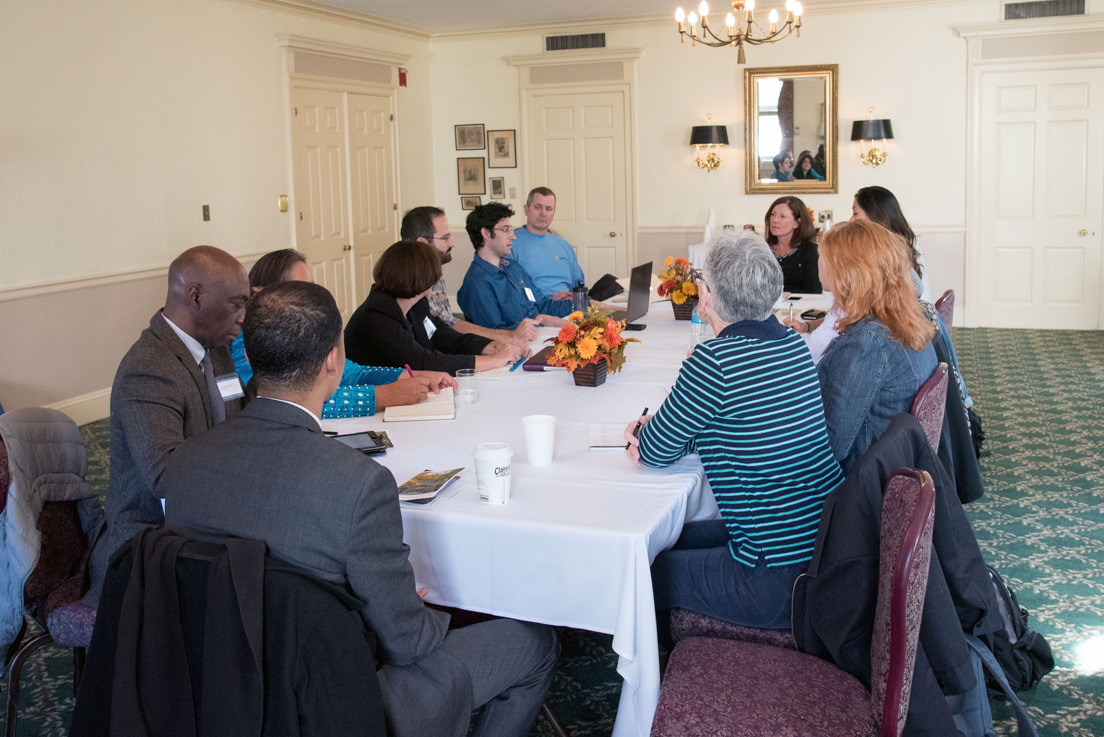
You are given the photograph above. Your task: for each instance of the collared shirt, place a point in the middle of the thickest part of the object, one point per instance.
(194, 346)
(317, 421)
(495, 296)
(549, 260)
(439, 304)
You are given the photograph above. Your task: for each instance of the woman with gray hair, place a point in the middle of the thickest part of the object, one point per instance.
(748, 402)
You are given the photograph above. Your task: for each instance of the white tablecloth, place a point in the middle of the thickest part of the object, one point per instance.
(575, 544)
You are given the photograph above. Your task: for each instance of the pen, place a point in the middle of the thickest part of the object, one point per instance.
(636, 430)
(408, 371)
(791, 311)
(519, 362)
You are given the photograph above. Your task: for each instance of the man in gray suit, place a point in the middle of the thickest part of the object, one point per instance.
(270, 474)
(176, 381)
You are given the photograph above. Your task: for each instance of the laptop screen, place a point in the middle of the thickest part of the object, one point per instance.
(639, 291)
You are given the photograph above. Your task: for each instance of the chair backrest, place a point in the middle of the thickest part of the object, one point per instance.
(930, 403)
(5, 475)
(945, 307)
(907, 520)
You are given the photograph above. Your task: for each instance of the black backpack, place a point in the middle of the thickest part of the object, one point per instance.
(1023, 654)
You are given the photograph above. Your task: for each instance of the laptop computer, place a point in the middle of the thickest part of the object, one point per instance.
(640, 283)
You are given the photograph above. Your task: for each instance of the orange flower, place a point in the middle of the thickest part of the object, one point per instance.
(575, 316)
(681, 261)
(690, 289)
(587, 347)
(668, 261)
(612, 336)
(567, 333)
(678, 297)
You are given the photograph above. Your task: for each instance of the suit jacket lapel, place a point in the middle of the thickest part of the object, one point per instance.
(172, 341)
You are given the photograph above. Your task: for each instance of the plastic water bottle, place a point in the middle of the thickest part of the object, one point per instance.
(699, 329)
(580, 298)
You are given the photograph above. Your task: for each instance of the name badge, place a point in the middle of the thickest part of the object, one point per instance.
(230, 387)
(430, 328)
(529, 294)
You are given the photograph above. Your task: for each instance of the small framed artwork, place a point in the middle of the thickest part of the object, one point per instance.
(501, 150)
(470, 176)
(470, 137)
(498, 188)
(470, 203)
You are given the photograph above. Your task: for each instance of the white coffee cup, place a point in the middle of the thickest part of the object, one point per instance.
(540, 438)
(492, 472)
(468, 388)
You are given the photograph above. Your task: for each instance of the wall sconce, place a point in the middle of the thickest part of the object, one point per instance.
(872, 130)
(708, 136)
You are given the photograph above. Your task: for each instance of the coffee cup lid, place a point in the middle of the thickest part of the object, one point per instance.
(492, 451)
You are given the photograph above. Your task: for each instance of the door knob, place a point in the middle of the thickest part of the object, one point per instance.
(346, 247)
(612, 234)
(1082, 232)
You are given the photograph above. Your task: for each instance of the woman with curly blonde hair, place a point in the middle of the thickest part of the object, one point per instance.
(872, 371)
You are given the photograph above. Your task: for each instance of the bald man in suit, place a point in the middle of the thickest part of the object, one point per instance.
(270, 474)
(176, 381)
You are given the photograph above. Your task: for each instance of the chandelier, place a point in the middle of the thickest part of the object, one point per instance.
(739, 26)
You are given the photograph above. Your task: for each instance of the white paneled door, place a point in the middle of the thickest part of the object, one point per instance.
(578, 144)
(344, 173)
(1040, 196)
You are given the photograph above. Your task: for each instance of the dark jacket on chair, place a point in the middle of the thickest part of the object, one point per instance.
(956, 444)
(834, 602)
(265, 648)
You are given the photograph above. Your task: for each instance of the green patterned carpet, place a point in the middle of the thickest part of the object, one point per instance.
(1041, 524)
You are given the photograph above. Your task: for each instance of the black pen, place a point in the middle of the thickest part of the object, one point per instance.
(636, 430)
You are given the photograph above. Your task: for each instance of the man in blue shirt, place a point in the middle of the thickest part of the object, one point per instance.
(497, 292)
(549, 259)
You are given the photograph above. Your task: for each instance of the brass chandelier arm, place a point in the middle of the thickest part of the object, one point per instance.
(737, 38)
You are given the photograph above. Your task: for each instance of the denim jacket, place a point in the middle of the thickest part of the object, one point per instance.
(867, 379)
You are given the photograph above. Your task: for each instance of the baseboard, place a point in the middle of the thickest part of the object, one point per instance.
(87, 407)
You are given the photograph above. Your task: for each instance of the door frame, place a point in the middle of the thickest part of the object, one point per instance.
(1039, 46)
(592, 70)
(384, 63)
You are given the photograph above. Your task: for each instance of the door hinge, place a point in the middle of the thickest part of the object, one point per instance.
(296, 110)
(392, 116)
(395, 206)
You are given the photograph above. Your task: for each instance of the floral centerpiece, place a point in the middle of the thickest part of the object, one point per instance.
(589, 346)
(676, 281)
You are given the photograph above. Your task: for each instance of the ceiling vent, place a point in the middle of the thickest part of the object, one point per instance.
(1043, 9)
(576, 41)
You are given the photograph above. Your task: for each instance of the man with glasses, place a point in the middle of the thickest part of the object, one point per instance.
(430, 225)
(497, 292)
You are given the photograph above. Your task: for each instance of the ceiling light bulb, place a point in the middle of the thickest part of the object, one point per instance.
(680, 16)
(750, 5)
(730, 20)
(703, 9)
(693, 18)
(798, 9)
(790, 5)
(773, 16)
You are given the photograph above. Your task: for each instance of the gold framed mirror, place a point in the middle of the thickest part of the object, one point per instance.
(791, 129)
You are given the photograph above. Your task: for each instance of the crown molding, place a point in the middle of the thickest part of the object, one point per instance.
(336, 15)
(1033, 27)
(346, 51)
(580, 56)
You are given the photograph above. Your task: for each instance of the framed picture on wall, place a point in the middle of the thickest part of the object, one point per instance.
(470, 203)
(501, 150)
(498, 188)
(470, 176)
(470, 137)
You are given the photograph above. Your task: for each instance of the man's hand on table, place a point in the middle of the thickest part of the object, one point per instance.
(633, 451)
(403, 391)
(525, 332)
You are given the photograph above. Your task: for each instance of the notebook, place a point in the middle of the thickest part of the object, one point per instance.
(607, 437)
(434, 407)
(640, 283)
(539, 361)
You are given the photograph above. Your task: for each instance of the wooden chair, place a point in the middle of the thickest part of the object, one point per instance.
(945, 307)
(930, 403)
(727, 688)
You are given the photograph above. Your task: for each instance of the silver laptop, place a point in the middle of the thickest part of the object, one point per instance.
(640, 283)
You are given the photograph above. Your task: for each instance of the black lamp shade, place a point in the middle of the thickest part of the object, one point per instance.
(871, 130)
(709, 135)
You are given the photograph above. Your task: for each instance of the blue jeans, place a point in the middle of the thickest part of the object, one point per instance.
(699, 573)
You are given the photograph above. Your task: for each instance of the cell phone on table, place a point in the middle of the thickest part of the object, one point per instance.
(366, 442)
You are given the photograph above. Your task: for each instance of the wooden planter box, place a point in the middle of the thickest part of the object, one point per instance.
(592, 374)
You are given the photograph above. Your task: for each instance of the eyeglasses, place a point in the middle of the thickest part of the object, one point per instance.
(445, 237)
(503, 230)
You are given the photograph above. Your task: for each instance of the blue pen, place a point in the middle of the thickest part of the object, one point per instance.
(520, 361)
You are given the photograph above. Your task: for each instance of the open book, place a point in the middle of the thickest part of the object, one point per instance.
(434, 407)
(607, 437)
(424, 487)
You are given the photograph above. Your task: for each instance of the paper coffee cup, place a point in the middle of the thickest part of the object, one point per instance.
(492, 472)
(540, 438)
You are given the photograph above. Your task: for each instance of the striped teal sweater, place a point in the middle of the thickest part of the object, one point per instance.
(748, 402)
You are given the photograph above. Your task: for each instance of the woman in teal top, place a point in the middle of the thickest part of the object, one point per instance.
(364, 389)
(749, 404)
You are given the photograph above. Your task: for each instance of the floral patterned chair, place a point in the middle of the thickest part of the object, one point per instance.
(929, 404)
(945, 307)
(728, 688)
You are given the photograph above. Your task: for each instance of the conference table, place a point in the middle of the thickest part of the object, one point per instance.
(574, 545)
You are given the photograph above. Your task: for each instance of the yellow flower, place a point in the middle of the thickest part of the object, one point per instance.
(690, 289)
(669, 260)
(587, 347)
(576, 315)
(678, 297)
